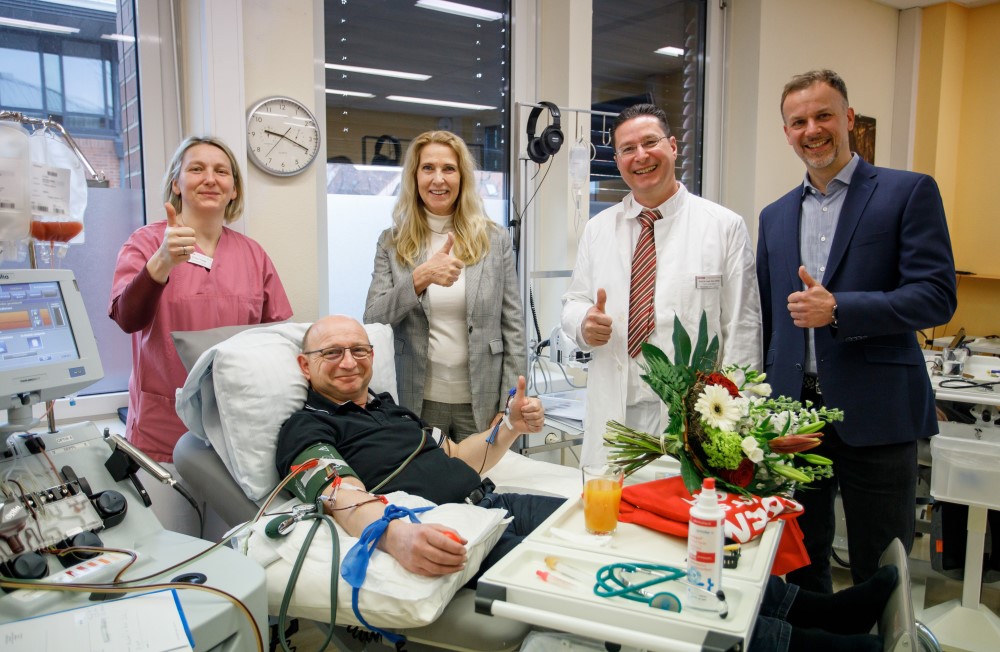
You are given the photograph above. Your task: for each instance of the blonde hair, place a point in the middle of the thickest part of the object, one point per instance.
(410, 230)
(235, 207)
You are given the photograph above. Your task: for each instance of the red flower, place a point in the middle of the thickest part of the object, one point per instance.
(718, 379)
(741, 476)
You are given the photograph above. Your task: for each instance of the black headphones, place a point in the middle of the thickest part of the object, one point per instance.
(378, 158)
(551, 138)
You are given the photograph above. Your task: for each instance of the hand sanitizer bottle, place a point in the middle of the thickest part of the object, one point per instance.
(704, 555)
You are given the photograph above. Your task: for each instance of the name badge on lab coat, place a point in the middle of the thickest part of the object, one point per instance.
(200, 259)
(708, 282)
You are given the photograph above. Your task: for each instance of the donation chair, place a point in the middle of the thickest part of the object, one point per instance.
(233, 376)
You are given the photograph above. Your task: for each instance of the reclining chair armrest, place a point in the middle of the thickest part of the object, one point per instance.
(208, 479)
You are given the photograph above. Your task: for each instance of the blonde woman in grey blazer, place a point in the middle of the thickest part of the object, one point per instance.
(458, 353)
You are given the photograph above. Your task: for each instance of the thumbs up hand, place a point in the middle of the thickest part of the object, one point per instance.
(596, 327)
(440, 269)
(812, 307)
(178, 240)
(526, 413)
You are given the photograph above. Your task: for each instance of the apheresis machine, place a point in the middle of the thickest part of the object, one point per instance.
(84, 564)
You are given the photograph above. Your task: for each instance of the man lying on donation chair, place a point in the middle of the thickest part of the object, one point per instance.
(368, 438)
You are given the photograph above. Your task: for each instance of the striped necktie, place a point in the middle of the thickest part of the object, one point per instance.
(641, 316)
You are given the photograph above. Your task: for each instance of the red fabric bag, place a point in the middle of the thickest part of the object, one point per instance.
(664, 505)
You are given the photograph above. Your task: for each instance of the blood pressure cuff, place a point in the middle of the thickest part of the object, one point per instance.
(315, 469)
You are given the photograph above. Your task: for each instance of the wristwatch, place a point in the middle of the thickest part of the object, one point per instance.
(834, 323)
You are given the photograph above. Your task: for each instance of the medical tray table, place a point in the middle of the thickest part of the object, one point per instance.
(512, 589)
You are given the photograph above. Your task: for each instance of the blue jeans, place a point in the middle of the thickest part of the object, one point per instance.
(771, 631)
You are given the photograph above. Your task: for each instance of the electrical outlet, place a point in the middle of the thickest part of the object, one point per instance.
(552, 438)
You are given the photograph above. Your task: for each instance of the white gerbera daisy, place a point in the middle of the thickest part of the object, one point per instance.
(717, 407)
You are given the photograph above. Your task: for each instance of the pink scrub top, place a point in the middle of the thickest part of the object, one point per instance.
(241, 288)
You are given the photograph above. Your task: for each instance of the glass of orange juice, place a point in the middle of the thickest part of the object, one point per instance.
(602, 492)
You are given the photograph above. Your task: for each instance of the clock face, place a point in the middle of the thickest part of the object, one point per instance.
(282, 136)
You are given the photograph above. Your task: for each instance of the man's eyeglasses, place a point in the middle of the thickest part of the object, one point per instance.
(627, 151)
(336, 353)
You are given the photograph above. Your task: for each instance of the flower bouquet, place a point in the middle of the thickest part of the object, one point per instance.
(723, 423)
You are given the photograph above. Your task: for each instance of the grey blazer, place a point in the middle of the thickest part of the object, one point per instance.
(497, 349)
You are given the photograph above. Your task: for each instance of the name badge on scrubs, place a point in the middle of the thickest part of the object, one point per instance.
(200, 259)
(708, 282)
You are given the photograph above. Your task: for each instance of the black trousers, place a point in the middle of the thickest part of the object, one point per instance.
(878, 487)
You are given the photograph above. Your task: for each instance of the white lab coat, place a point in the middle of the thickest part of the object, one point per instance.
(704, 262)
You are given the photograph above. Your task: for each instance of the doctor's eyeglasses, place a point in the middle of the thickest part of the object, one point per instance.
(648, 143)
(336, 353)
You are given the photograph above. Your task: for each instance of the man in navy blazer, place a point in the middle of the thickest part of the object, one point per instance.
(850, 264)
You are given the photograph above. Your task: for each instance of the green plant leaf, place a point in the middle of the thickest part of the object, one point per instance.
(690, 475)
(682, 344)
(698, 360)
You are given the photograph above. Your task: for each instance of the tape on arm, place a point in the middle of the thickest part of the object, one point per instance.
(314, 469)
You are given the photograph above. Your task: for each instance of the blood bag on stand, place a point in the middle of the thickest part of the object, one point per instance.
(15, 188)
(58, 193)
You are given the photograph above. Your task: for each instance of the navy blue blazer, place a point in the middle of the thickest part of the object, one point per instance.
(892, 273)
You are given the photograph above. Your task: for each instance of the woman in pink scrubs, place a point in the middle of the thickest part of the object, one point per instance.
(188, 272)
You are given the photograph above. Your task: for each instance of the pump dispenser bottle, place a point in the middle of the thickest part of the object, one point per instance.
(704, 554)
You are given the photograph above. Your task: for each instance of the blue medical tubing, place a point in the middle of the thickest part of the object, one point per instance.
(506, 408)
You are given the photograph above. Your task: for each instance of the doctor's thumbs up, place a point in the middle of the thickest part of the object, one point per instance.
(526, 413)
(597, 323)
(812, 307)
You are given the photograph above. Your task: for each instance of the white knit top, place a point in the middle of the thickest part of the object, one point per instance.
(448, 344)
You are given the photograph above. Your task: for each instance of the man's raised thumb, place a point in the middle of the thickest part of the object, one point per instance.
(522, 389)
(602, 298)
(808, 280)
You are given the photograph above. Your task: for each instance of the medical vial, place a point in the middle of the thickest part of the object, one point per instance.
(704, 554)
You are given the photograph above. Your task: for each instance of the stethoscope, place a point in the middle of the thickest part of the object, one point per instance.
(614, 580)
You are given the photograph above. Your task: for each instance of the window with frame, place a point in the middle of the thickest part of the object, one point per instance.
(395, 69)
(647, 51)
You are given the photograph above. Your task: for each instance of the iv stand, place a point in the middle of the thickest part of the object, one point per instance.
(95, 179)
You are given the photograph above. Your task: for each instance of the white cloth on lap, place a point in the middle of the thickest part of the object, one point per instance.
(391, 596)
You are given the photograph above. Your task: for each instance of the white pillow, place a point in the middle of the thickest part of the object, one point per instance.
(391, 597)
(241, 390)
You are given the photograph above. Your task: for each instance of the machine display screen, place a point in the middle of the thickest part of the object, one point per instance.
(34, 326)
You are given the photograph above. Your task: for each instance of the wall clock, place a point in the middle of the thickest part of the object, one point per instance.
(282, 136)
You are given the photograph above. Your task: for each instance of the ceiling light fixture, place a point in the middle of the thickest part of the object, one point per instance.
(378, 71)
(670, 51)
(41, 27)
(459, 9)
(333, 91)
(453, 105)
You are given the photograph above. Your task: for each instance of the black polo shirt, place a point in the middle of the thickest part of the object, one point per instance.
(374, 441)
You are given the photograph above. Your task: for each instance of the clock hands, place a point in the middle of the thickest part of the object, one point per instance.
(291, 140)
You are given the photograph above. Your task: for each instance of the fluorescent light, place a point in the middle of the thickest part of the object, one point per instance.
(378, 71)
(453, 105)
(124, 38)
(333, 91)
(41, 27)
(459, 9)
(670, 51)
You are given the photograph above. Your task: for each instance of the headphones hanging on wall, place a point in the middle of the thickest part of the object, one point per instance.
(390, 143)
(550, 140)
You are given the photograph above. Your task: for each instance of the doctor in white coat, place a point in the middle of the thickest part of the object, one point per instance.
(704, 262)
